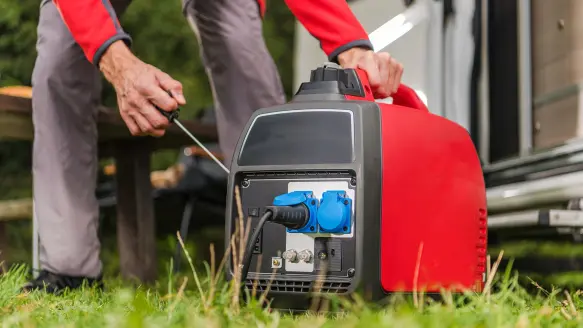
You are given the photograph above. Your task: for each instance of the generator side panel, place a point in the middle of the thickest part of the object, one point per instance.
(433, 212)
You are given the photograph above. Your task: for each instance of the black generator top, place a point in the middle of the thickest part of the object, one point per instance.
(329, 79)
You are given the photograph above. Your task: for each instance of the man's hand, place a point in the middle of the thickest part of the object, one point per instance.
(384, 72)
(139, 87)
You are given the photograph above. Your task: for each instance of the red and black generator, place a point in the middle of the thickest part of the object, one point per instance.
(356, 195)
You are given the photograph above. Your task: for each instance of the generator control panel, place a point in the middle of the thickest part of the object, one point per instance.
(333, 219)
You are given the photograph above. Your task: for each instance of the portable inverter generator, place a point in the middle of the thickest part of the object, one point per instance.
(356, 195)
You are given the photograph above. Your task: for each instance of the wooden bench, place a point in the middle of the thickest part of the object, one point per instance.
(135, 210)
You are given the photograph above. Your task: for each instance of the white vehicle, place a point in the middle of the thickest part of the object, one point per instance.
(533, 174)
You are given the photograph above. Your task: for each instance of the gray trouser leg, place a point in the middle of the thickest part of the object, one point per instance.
(66, 90)
(243, 75)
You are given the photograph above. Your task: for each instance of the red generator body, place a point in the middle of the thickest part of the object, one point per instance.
(379, 198)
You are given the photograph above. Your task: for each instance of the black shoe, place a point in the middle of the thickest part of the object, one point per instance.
(56, 284)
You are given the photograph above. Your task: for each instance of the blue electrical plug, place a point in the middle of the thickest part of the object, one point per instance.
(301, 197)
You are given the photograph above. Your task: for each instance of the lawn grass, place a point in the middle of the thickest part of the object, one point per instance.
(197, 298)
(184, 301)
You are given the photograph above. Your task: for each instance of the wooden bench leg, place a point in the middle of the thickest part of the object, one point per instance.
(136, 231)
(184, 224)
(3, 247)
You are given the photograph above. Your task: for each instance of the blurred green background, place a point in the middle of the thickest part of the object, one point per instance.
(162, 38)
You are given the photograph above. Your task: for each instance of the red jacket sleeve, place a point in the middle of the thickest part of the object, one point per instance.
(333, 23)
(93, 24)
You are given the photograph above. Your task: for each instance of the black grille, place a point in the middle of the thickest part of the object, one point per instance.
(339, 174)
(291, 286)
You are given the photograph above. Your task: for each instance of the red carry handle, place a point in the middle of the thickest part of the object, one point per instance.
(405, 96)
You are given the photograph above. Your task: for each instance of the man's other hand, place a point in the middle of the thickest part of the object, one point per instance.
(384, 72)
(139, 87)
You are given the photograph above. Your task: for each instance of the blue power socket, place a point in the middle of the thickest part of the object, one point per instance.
(301, 197)
(335, 212)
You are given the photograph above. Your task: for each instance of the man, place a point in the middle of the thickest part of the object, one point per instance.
(79, 38)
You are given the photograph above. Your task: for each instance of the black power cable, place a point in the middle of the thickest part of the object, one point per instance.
(251, 244)
(293, 217)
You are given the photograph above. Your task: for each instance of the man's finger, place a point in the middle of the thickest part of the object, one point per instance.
(160, 98)
(131, 124)
(369, 65)
(145, 126)
(157, 133)
(398, 76)
(383, 62)
(151, 113)
(171, 85)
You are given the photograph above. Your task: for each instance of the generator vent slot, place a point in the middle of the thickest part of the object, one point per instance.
(482, 245)
(340, 173)
(335, 287)
(262, 285)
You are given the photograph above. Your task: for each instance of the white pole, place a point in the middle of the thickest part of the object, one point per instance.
(524, 77)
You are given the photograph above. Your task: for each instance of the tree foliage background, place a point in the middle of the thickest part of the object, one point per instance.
(161, 36)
